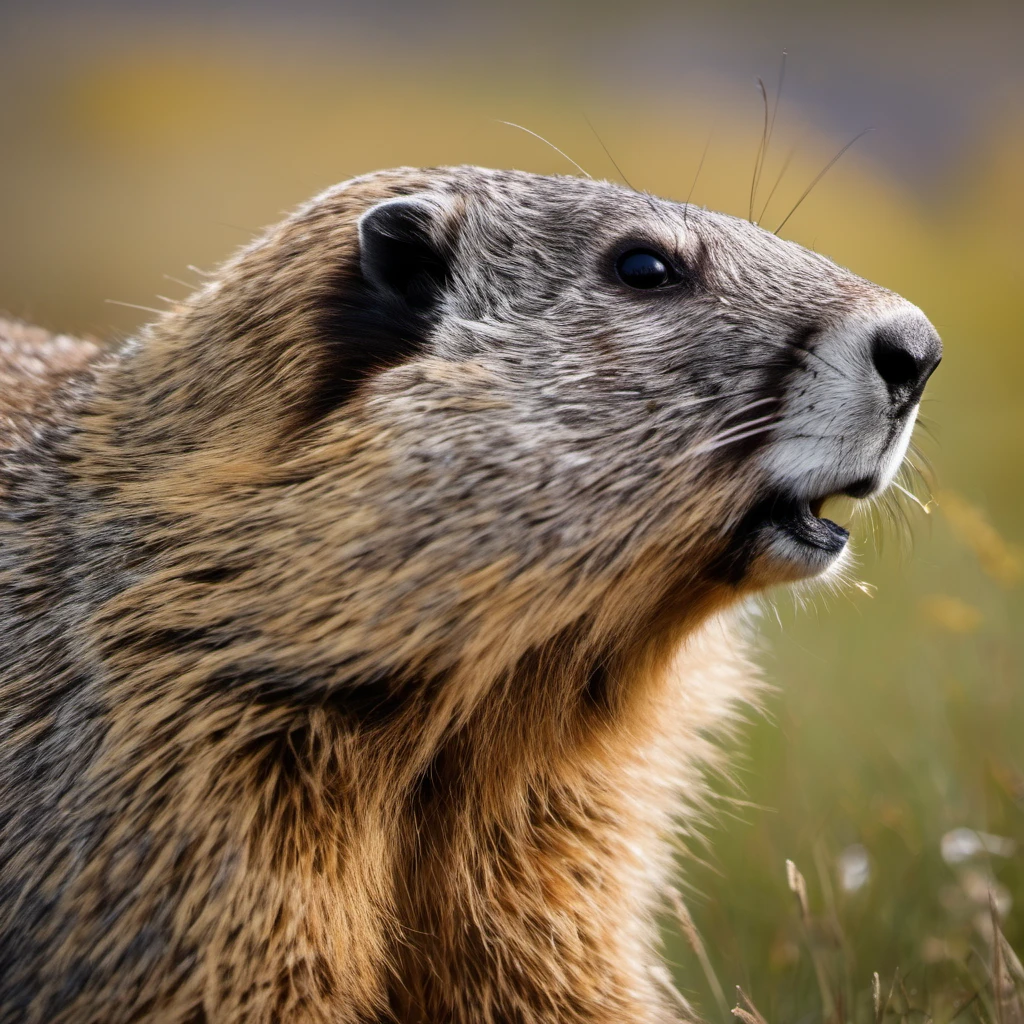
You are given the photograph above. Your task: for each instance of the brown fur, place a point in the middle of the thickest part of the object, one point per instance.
(279, 745)
(33, 363)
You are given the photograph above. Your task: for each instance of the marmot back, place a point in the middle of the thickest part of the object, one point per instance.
(366, 617)
(33, 363)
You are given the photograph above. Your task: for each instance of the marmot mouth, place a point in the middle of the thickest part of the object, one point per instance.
(785, 537)
(802, 520)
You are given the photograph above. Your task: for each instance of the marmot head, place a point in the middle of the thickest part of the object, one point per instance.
(439, 416)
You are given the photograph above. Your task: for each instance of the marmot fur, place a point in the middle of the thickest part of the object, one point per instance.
(366, 617)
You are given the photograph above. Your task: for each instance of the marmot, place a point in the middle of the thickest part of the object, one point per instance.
(365, 617)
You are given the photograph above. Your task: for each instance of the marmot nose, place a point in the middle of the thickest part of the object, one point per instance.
(905, 351)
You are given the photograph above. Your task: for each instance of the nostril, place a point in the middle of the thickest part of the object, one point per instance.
(895, 365)
(905, 355)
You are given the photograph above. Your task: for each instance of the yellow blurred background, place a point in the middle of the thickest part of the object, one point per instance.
(141, 138)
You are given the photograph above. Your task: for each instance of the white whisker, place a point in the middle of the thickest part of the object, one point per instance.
(718, 398)
(133, 305)
(926, 508)
(722, 442)
(541, 138)
(751, 405)
(736, 428)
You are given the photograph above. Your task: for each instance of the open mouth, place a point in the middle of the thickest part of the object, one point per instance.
(801, 520)
(786, 537)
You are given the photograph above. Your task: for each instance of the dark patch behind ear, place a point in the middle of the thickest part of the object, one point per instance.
(381, 312)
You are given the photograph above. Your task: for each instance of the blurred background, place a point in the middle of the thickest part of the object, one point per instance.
(142, 138)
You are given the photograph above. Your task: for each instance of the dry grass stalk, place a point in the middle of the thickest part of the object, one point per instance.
(1011, 959)
(964, 1006)
(1009, 1007)
(748, 1018)
(908, 1008)
(881, 1012)
(689, 930)
(798, 886)
(747, 1012)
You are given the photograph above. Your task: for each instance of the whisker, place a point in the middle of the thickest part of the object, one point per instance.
(809, 351)
(926, 428)
(607, 153)
(737, 432)
(512, 124)
(927, 509)
(734, 394)
(778, 182)
(778, 97)
(133, 305)
(704, 399)
(178, 280)
(238, 227)
(760, 151)
(907, 471)
(751, 405)
(917, 451)
(913, 472)
(710, 447)
(743, 426)
(621, 174)
(738, 428)
(698, 401)
(700, 167)
(821, 174)
(769, 131)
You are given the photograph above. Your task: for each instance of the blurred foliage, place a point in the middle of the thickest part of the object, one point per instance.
(898, 718)
(889, 766)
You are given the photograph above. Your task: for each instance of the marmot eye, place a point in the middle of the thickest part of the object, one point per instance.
(643, 268)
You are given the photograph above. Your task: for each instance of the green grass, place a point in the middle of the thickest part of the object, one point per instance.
(898, 719)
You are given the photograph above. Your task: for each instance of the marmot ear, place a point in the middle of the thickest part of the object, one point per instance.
(402, 250)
